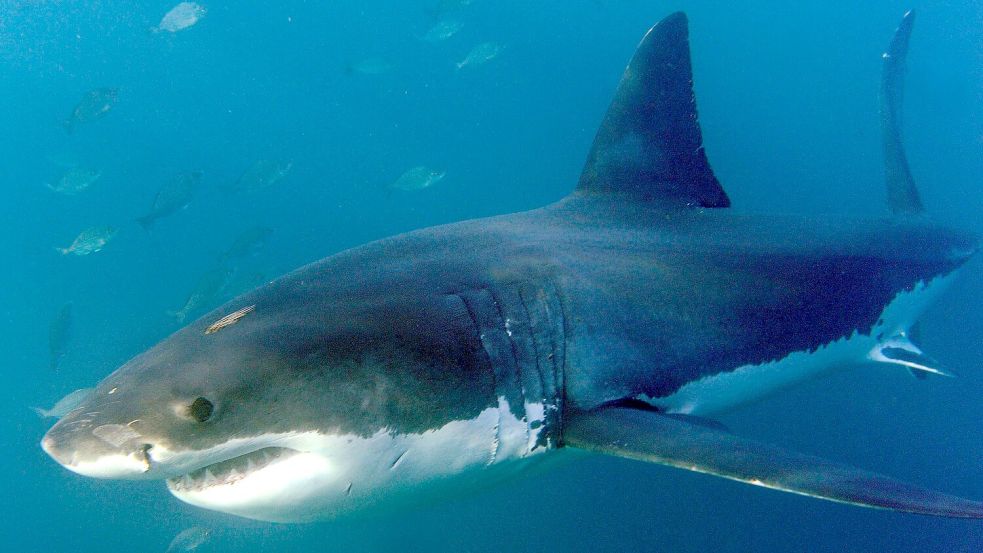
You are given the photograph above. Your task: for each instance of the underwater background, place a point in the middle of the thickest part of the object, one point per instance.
(348, 95)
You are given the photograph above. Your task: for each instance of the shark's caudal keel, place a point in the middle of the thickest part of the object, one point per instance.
(446, 359)
(886, 344)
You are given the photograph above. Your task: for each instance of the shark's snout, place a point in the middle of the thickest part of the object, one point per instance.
(104, 451)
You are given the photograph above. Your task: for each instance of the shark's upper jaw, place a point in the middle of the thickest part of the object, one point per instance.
(82, 446)
(123, 465)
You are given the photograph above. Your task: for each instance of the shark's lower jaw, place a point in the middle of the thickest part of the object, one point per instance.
(267, 484)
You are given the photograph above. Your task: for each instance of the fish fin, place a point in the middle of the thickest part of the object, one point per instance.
(649, 436)
(43, 413)
(649, 146)
(902, 194)
(901, 351)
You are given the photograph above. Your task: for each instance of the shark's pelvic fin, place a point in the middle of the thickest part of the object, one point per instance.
(649, 146)
(902, 195)
(649, 436)
(901, 351)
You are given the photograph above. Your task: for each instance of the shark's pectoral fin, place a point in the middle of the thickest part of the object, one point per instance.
(650, 436)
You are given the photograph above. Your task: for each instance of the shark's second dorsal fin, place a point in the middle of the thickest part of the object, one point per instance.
(649, 146)
(902, 195)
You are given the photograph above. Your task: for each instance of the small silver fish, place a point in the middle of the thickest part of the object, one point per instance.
(175, 195)
(262, 174)
(189, 539)
(66, 404)
(442, 30)
(95, 104)
(59, 334)
(75, 180)
(208, 287)
(418, 178)
(370, 66)
(480, 54)
(247, 242)
(90, 240)
(181, 17)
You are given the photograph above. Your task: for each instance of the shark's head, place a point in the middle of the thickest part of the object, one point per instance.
(297, 401)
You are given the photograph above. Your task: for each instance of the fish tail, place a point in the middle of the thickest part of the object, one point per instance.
(68, 125)
(63, 251)
(178, 315)
(43, 413)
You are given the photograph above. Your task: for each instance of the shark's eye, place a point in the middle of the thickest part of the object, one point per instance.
(201, 409)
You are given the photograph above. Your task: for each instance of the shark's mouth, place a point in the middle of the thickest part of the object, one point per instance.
(230, 471)
(272, 483)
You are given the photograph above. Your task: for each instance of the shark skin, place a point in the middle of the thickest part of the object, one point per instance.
(444, 360)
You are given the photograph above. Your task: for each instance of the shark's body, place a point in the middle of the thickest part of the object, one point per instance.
(453, 356)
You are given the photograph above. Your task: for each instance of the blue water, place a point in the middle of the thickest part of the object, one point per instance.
(787, 94)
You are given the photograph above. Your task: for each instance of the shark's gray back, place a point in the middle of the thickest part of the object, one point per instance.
(644, 300)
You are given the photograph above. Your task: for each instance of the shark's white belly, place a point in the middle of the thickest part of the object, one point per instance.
(720, 392)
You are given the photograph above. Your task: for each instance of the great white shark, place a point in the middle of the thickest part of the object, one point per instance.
(617, 320)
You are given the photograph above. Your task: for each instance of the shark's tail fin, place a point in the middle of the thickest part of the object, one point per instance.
(902, 195)
(649, 146)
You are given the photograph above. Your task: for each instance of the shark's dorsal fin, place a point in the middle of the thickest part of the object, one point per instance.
(649, 146)
(902, 195)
